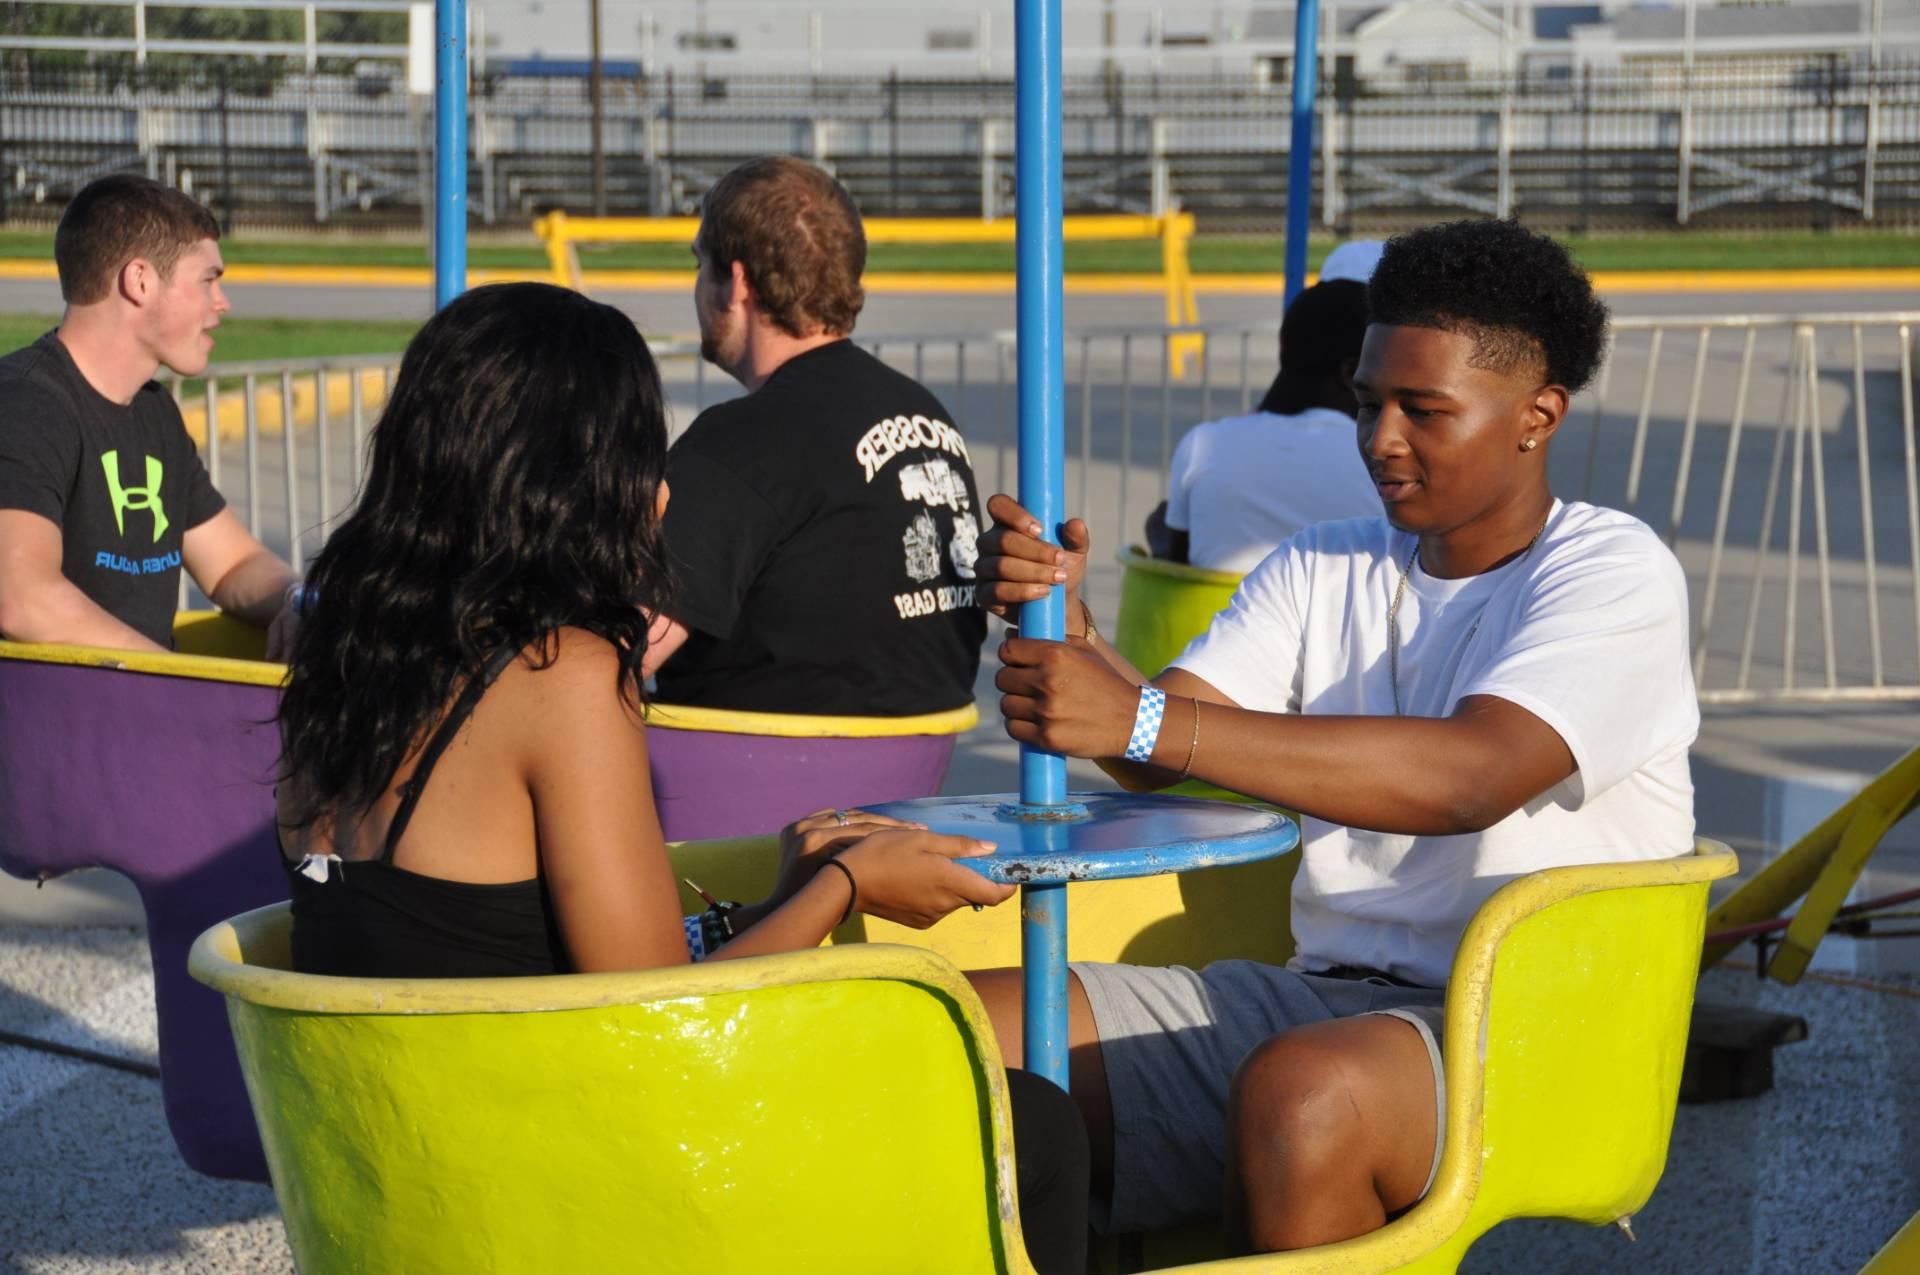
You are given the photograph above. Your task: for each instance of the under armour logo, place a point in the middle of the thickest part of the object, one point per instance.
(136, 498)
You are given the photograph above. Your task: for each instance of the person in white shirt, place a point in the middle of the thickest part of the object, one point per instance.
(1356, 259)
(1239, 486)
(1484, 682)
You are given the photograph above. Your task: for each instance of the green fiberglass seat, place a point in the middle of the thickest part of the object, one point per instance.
(839, 1110)
(1164, 605)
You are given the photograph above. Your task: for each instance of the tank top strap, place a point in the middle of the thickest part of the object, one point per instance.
(456, 717)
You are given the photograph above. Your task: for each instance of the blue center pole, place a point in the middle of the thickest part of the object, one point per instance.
(1037, 247)
(449, 150)
(1306, 56)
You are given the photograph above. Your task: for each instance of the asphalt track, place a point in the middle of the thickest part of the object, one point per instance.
(670, 310)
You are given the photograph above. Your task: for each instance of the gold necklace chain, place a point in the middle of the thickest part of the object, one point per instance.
(1400, 591)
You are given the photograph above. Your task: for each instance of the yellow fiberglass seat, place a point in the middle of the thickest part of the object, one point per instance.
(216, 633)
(1567, 1014)
(1566, 1023)
(1579, 981)
(838, 1111)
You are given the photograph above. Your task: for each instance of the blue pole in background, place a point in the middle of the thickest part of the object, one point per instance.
(1037, 247)
(1306, 56)
(449, 150)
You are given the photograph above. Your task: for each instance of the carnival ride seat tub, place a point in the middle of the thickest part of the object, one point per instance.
(452, 1124)
(1164, 605)
(160, 767)
(840, 1110)
(1561, 1088)
(725, 773)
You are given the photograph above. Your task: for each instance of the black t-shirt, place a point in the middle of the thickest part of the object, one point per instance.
(123, 484)
(822, 534)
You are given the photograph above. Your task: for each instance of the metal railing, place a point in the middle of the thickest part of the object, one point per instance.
(1779, 464)
(1775, 454)
(290, 486)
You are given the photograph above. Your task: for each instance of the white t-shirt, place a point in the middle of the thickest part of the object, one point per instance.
(1588, 632)
(1240, 486)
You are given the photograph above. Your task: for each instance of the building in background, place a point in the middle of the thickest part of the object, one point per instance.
(1404, 41)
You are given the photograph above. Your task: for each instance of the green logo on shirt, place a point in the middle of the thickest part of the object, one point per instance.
(136, 498)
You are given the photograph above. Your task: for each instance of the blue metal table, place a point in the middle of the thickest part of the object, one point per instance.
(1092, 837)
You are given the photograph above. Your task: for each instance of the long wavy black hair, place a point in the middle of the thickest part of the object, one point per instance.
(511, 490)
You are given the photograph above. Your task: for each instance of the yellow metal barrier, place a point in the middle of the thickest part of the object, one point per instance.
(1820, 867)
(1902, 1252)
(562, 235)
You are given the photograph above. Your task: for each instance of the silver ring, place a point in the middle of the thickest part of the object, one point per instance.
(840, 817)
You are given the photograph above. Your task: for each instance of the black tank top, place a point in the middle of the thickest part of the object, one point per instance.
(370, 919)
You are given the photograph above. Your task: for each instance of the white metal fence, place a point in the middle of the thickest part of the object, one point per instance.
(1776, 455)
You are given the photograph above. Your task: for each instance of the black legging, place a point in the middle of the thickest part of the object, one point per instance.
(1051, 1168)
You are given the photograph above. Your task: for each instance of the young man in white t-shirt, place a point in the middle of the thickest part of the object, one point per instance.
(1484, 682)
(1239, 486)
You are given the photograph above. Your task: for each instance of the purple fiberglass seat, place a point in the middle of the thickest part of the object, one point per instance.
(168, 781)
(160, 767)
(718, 773)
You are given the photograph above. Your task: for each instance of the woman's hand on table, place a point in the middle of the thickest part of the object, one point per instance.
(909, 876)
(807, 843)
(1064, 697)
(1018, 564)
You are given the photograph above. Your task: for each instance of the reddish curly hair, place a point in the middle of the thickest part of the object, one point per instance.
(797, 233)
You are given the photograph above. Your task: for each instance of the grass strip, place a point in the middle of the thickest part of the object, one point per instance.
(1211, 254)
(244, 340)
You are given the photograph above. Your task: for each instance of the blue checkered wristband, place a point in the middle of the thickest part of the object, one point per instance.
(1146, 723)
(696, 938)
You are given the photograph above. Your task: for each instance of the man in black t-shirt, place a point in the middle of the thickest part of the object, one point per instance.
(822, 528)
(102, 496)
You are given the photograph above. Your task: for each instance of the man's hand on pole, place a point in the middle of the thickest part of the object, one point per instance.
(1018, 564)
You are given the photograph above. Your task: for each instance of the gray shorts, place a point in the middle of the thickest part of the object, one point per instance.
(1171, 1039)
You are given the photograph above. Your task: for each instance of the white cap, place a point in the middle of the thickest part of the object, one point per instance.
(1353, 260)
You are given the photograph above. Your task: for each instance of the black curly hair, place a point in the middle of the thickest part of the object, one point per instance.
(511, 491)
(1517, 294)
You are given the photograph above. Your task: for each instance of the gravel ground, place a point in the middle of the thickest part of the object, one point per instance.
(88, 1172)
(1809, 1178)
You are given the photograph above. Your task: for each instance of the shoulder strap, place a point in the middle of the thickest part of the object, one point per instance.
(456, 717)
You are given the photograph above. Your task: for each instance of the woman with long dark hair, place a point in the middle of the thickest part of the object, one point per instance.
(464, 787)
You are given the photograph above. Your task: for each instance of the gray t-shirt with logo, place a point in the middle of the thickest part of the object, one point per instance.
(123, 483)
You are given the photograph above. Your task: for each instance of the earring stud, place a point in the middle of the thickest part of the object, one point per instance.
(1529, 444)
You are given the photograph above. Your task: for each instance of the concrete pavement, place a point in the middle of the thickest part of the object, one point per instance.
(1811, 1177)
